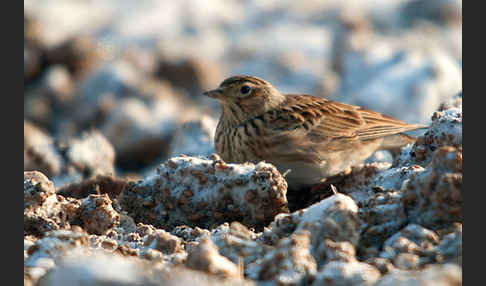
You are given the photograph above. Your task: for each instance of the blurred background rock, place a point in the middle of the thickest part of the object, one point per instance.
(127, 76)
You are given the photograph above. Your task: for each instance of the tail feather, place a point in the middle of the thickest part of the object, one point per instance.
(396, 141)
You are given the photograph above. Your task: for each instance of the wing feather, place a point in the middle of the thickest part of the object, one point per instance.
(324, 120)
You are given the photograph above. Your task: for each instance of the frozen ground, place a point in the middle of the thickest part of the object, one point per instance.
(120, 186)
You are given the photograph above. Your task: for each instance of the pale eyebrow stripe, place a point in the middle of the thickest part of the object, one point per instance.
(241, 79)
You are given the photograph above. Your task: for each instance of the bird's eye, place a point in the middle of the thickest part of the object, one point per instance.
(245, 89)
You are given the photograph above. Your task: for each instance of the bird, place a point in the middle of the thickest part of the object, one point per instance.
(307, 138)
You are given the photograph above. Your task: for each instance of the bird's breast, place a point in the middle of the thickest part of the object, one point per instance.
(237, 144)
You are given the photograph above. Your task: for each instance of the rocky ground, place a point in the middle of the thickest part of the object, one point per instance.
(121, 186)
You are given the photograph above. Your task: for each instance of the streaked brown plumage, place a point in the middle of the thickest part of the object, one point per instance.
(313, 137)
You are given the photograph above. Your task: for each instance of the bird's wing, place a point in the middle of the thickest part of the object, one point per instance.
(317, 120)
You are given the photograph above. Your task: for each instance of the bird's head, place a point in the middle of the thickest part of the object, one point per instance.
(243, 97)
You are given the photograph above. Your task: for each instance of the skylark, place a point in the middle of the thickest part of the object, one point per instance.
(312, 137)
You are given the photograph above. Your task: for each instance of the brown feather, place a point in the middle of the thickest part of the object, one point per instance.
(313, 137)
(331, 120)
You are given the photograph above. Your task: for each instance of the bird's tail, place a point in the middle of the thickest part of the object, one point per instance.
(393, 143)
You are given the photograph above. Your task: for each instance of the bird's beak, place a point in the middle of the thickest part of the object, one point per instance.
(215, 93)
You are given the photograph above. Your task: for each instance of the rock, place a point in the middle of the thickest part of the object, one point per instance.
(446, 130)
(140, 132)
(43, 209)
(54, 245)
(50, 97)
(40, 153)
(252, 194)
(98, 215)
(335, 218)
(49, 100)
(58, 86)
(164, 242)
(32, 275)
(194, 138)
(67, 160)
(406, 261)
(91, 154)
(347, 273)
(289, 264)
(145, 241)
(407, 246)
(33, 48)
(337, 251)
(101, 268)
(79, 54)
(28, 242)
(443, 12)
(383, 215)
(195, 74)
(179, 276)
(118, 78)
(37, 109)
(38, 189)
(32, 62)
(205, 257)
(450, 247)
(382, 264)
(433, 197)
(100, 93)
(98, 268)
(447, 274)
(127, 224)
(238, 243)
(142, 60)
(359, 183)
